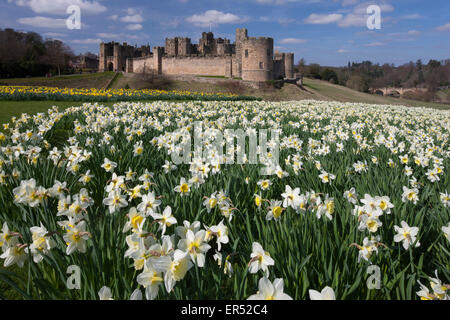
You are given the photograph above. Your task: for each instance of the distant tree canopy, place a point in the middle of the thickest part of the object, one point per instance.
(365, 75)
(25, 54)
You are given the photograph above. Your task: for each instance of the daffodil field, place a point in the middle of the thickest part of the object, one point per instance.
(357, 206)
(20, 93)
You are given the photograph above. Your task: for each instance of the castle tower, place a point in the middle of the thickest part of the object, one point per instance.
(289, 65)
(106, 50)
(257, 59)
(117, 56)
(172, 47)
(241, 36)
(184, 47)
(157, 59)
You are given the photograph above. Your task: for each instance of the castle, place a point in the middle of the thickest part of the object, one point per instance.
(249, 58)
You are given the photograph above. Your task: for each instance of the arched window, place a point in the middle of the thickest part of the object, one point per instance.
(261, 65)
(246, 53)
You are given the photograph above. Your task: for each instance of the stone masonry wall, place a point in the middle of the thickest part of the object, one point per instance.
(212, 66)
(140, 63)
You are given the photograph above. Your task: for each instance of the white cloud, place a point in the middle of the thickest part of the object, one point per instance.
(343, 51)
(214, 17)
(292, 41)
(408, 35)
(323, 18)
(114, 17)
(356, 18)
(134, 26)
(43, 22)
(135, 18)
(445, 27)
(353, 20)
(60, 6)
(87, 41)
(361, 9)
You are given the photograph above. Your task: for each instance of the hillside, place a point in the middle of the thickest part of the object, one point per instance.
(80, 81)
(312, 89)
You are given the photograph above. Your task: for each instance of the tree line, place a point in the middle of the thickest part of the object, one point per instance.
(366, 75)
(27, 54)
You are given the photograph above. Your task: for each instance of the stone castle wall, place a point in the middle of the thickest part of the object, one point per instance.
(249, 58)
(200, 65)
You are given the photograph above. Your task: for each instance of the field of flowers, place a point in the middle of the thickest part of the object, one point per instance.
(20, 93)
(360, 194)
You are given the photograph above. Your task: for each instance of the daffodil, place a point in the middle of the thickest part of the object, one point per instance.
(270, 291)
(260, 259)
(406, 234)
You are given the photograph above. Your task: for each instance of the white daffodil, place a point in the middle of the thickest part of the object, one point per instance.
(326, 177)
(260, 259)
(210, 202)
(76, 237)
(406, 234)
(115, 201)
(174, 269)
(166, 219)
(58, 189)
(371, 223)
(445, 199)
(410, 195)
(351, 196)
(16, 254)
(151, 280)
(105, 293)
(264, 184)
(446, 230)
(136, 295)
(290, 197)
(182, 230)
(275, 210)
(184, 187)
(42, 243)
(108, 165)
(149, 204)
(196, 247)
(327, 293)
(221, 233)
(135, 221)
(270, 291)
(8, 238)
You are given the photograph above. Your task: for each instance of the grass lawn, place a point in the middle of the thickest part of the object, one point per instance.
(86, 81)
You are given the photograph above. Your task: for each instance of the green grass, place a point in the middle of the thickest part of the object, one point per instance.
(9, 109)
(324, 90)
(114, 81)
(92, 80)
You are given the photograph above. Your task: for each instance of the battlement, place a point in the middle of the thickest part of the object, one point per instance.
(251, 58)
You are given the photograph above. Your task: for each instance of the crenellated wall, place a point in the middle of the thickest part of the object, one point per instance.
(249, 58)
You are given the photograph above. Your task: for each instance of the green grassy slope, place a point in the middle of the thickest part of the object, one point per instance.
(92, 80)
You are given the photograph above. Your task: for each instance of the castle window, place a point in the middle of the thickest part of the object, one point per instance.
(261, 65)
(246, 53)
(268, 52)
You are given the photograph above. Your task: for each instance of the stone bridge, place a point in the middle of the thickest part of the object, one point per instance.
(395, 91)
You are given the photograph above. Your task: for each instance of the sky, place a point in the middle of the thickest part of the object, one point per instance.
(328, 32)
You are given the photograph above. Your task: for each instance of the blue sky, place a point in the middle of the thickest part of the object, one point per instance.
(330, 32)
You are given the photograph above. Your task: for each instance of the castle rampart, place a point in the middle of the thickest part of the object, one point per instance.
(249, 58)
